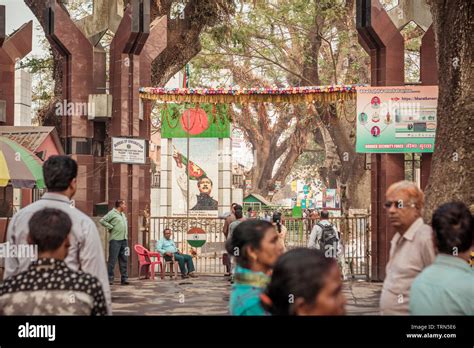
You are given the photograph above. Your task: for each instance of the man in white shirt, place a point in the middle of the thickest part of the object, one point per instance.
(85, 252)
(412, 247)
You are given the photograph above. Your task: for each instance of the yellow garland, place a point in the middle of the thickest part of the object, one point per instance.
(322, 97)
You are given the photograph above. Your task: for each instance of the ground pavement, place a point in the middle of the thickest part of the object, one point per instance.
(209, 295)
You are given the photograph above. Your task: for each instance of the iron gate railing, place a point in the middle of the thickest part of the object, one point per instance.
(208, 259)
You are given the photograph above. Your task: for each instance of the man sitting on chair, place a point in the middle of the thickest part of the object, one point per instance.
(167, 248)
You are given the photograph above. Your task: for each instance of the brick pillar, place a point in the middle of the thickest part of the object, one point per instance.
(428, 77)
(12, 48)
(131, 53)
(385, 46)
(386, 169)
(76, 130)
(428, 65)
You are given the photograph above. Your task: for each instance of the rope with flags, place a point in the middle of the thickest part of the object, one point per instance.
(307, 94)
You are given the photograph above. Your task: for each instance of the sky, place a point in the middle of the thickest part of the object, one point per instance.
(17, 14)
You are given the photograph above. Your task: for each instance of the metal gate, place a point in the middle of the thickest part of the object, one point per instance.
(208, 259)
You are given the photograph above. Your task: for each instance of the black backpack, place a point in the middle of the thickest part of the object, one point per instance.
(329, 240)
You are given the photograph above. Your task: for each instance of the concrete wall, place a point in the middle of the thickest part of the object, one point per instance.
(22, 110)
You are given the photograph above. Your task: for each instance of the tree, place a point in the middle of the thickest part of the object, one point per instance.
(187, 18)
(452, 168)
(297, 43)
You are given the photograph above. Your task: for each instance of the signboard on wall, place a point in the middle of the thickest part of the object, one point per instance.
(396, 119)
(128, 150)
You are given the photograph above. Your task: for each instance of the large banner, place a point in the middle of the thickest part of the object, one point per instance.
(201, 170)
(195, 121)
(396, 119)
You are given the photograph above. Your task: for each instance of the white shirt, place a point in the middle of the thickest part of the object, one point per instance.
(410, 253)
(85, 253)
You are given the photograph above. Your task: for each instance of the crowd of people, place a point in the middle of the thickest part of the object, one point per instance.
(428, 272)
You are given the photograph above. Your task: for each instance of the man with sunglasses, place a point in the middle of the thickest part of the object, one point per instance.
(412, 248)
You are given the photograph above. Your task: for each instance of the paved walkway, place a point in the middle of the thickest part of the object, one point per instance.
(209, 295)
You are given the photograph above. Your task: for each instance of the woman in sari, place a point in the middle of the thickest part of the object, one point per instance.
(255, 245)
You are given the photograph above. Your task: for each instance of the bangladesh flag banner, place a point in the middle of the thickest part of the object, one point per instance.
(193, 171)
(195, 120)
(196, 237)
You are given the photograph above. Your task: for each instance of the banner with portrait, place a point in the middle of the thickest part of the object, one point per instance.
(197, 172)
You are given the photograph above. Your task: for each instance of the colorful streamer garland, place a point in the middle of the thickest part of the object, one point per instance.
(324, 94)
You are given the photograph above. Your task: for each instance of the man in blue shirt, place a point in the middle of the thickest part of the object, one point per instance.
(447, 286)
(167, 248)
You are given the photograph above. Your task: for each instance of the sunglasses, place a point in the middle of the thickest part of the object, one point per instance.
(398, 205)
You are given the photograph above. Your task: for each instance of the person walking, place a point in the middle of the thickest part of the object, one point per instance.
(325, 237)
(447, 286)
(85, 251)
(226, 259)
(412, 248)
(49, 286)
(115, 221)
(239, 216)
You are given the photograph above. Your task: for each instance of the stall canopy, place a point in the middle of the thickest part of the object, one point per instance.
(19, 166)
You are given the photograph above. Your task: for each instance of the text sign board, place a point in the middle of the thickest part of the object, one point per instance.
(128, 150)
(396, 119)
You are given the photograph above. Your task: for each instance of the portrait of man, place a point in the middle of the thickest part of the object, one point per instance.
(201, 186)
(204, 199)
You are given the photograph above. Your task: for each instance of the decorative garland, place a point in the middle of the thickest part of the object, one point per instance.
(324, 94)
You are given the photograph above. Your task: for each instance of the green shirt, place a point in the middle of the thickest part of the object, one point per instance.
(116, 223)
(444, 288)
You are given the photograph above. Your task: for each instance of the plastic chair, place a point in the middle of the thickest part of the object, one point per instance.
(173, 269)
(144, 259)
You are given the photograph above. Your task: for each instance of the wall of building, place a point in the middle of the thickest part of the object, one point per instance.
(48, 147)
(22, 109)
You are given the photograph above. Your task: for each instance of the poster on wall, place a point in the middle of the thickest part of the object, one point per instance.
(201, 169)
(128, 150)
(194, 120)
(396, 119)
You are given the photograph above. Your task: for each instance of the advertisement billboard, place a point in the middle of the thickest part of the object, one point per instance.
(396, 119)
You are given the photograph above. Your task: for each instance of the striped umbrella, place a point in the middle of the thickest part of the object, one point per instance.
(19, 166)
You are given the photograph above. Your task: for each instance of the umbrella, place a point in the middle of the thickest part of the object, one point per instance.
(19, 166)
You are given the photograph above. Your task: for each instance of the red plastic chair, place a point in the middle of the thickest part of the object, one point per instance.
(145, 259)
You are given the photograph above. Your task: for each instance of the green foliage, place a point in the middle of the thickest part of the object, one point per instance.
(273, 43)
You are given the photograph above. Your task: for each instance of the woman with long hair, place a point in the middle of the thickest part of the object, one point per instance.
(254, 244)
(305, 282)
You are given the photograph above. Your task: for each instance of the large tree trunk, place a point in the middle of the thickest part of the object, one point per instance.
(452, 169)
(266, 147)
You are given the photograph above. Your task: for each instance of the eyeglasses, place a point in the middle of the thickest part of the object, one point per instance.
(398, 205)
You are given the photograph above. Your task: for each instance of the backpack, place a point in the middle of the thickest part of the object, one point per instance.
(329, 240)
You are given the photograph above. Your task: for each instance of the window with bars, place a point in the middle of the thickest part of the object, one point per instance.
(237, 180)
